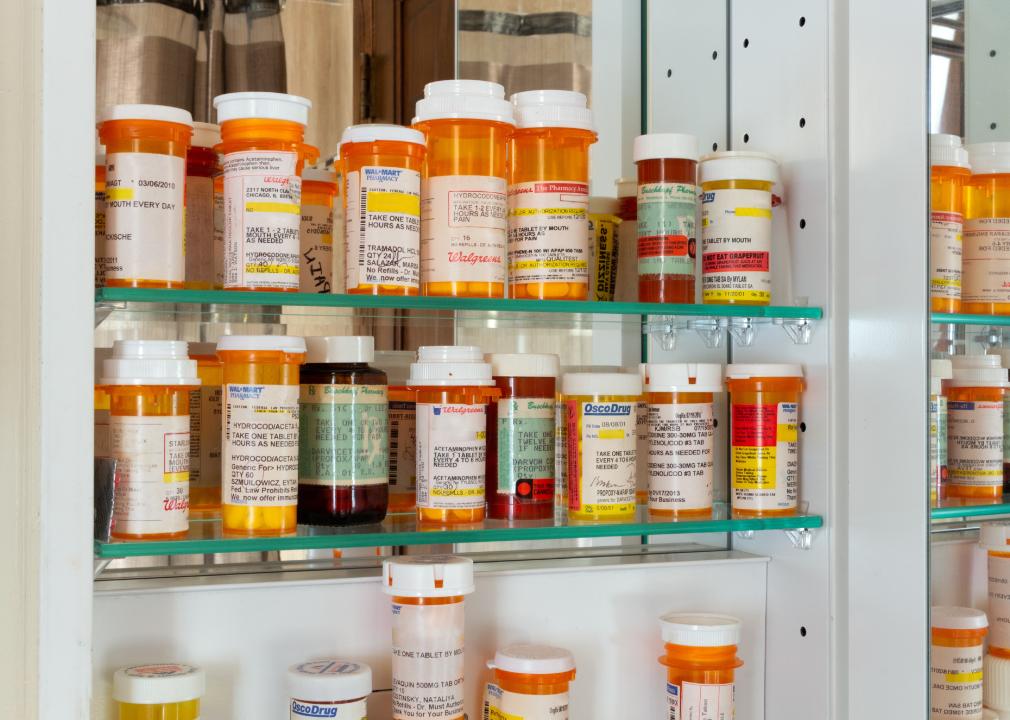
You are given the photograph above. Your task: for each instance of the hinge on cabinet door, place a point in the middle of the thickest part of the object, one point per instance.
(365, 89)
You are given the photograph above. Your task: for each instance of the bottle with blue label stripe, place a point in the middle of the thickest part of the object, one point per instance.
(329, 688)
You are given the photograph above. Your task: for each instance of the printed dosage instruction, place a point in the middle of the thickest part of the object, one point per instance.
(681, 456)
(427, 661)
(765, 456)
(526, 448)
(452, 455)
(548, 232)
(666, 227)
(975, 442)
(260, 445)
(601, 457)
(956, 681)
(736, 247)
(946, 237)
(463, 229)
(343, 435)
(383, 226)
(985, 261)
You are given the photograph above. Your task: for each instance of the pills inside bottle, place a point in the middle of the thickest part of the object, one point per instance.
(158, 692)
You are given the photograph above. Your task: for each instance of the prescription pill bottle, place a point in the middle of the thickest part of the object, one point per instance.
(764, 438)
(158, 692)
(603, 247)
(319, 188)
(681, 448)
(453, 387)
(949, 170)
(101, 261)
(940, 370)
(627, 240)
(259, 468)
(736, 227)
(1004, 355)
(601, 439)
(993, 539)
(530, 683)
(145, 177)
(464, 208)
(956, 664)
(667, 208)
(642, 439)
(205, 429)
(329, 688)
(975, 402)
(101, 403)
(548, 195)
(520, 436)
(149, 382)
(402, 432)
(262, 144)
(202, 167)
(428, 634)
(985, 260)
(382, 167)
(700, 663)
(343, 454)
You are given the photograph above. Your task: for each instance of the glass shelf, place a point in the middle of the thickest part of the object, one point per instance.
(953, 509)
(958, 319)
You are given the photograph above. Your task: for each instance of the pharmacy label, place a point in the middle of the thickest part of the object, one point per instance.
(681, 456)
(427, 661)
(302, 709)
(548, 232)
(526, 448)
(205, 438)
(695, 701)
(101, 259)
(956, 682)
(317, 249)
(736, 237)
(218, 238)
(602, 472)
(502, 704)
(383, 226)
(975, 442)
(946, 231)
(343, 435)
(666, 221)
(200, 231)
(402, 446)
(602, 256)
(985, 262)
(999, 601)
(765, 456)
(451, 456)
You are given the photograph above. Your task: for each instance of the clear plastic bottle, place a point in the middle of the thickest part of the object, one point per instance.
(701, 664)
(949, 170)
(166, 691)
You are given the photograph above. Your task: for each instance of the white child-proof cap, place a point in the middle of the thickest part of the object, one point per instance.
(206, 135)
(700, 629)
(329, 680)
(340, 349)
(977, 371)
(531, 659)
(379, 132)
(262, 106)
(450, 365)
(738, 165)
(427, 576)
(276, 343)
(149, 362)
(552, 108)
(464, 100)
(594, 384)
(685, 377)
(989, 158)
(947, 150)
(524, 365)
(319, 175)
(157, 684)
(161, 113)
(663, 146)
(950, 617)
(746, 371)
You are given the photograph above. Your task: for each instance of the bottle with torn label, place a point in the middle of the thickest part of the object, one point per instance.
(985, 259)
(701, 664)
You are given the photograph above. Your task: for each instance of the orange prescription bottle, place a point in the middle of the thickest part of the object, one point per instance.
(205, 429)
(145, 174)
(548, 195)
(601, 439)
(940, 371)
(736, 227)
(148, 382)
(329, 688)
(158, 692)
(764, 438)
(681, 449)
(102, 403)
(453, 387)
(667, 209)
(642, 439)
(319, 188)
(985, 261)
(428, 633)
(382, 208)
(949, 172)
(262, 143)
(259, 475)
(993, 537)
(203, 256)
(701, 663)
(101, 261)
(626, 287)
(464, 209)
(402, 431)
(975, 400)
(956, 664)
(530, 682)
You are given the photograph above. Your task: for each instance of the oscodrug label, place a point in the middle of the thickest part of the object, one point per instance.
(451, 456)
(602, 472)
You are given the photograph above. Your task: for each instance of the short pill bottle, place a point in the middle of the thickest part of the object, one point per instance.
(956, 662)
(985, 256)
(993, 538)
(319, 188)
(701, 664)
(329, 688)
(530, 682)
(976, 398)
(941, 371)
(259, 464)
(205, 429)
(948, 174)
(158, 692)
(204, 256)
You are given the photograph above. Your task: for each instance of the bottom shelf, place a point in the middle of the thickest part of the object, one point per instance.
(958, 508)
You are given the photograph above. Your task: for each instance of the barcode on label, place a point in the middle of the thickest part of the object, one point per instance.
(362, 222)
(394, 454)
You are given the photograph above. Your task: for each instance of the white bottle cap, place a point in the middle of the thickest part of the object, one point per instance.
(700, 629)
(996, 686)
(626, 187)
(206, 135)
(531, 659)
(685, 377)
(162, 113)
(975, 362)
(593, 384)
(738, 165)
(524, 365)
(149, 362)
(552, 108)
(262, 106)
(746, 371)
(995, 536)
(329, 680)
(340, 349)
(276, 343)
(157, 684)
(599, 205)
(950, 617)
(464, 100)
(378, 132)
(989, 158)
(986, 377)
(447, 365)
(427, 576)
(319, 175)
(665, 146)
(947, 151)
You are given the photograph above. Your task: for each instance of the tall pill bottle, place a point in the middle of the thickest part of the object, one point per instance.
(701, 664)
(764, 438)
(601, 437)
(145, 177)
(101, 261)
(203, 166)
(343, 454)
(402, 432)
(464, 208)
(453, 387)
(681, 450)
(319, 189)
(520, 436)
(205, 429)
(530, 682)
(165, 691)
(382, 167)
(736, 227)
(548, 196)
(985, 260)
(940, 370)
(993, 539)
(667, 212)
(428, 634)
(148, 382)
(975, 403)
(329, 688)
(262, 144)
(949, 171)
(259, 467)
(956, 662)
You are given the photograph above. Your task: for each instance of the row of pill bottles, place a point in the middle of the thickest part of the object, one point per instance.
(974, 439)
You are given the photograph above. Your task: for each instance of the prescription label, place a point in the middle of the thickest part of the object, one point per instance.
(463, 229)
(955, 682)
(666, 220)
(694, 701)
(642, 451)
(985, 263)
(402, 446)
(343, 435)
(502, 704)
(946, 231)
(560, 457)
(999, 601)
(144, 203)
(383, 227)
(301, 709)
(427, 661)
(317, 249)
(218, 237)
(199, 231)
(152, 462)
(736, 243)
(526, 448)
(975, 442)
(260, 445)
(451, 456)
(601, 460)
(765, 456)
(603, 252)
(262, 219)
(101, 260)
(205, 437)
(548, 232)
(680, 456)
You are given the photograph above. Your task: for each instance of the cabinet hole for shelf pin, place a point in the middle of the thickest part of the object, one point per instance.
(803, 122)
(803, 631)
(992, 126)
(746, 137)
(669, 72)
(715, 146)
(803, 223)
(803, 21)
(746, 42)
(715, 54)
(992, 53)
(803, 427)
